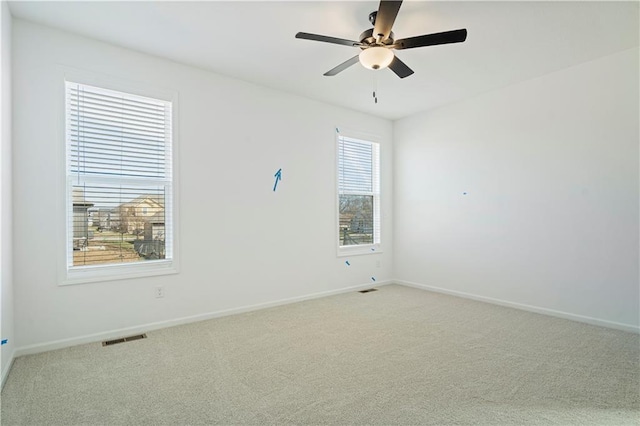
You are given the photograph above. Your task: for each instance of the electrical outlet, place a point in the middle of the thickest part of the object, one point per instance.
(159, 291)
(378, 264)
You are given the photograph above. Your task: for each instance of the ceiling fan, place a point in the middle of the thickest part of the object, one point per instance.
(377, 43)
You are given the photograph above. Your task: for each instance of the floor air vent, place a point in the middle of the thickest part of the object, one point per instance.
(368, 290)
(124, 339)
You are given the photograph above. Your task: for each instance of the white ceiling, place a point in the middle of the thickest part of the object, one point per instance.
(507, 42)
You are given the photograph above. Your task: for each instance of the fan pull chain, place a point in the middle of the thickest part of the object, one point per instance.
(375, 87)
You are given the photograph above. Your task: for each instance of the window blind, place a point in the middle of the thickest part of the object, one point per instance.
(355, 166)
(116, 134)
(119, 169)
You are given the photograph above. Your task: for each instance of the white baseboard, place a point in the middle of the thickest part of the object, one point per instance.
(97, 337)
(538, 310)
(5, 371)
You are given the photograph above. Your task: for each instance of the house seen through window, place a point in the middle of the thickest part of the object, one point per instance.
(119, 174)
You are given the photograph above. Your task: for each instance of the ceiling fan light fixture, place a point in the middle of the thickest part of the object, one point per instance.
(376, 58)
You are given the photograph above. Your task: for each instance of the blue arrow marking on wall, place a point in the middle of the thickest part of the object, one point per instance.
(4, 341)
(278, 176)
(347, 262)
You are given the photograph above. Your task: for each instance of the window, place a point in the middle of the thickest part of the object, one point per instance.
(358, 195)
(119, 183)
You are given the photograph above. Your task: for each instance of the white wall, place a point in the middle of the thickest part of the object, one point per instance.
(6, 266)
(550, 219)
(241, 244)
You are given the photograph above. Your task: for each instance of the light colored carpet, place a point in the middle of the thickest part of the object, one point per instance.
(395, 356)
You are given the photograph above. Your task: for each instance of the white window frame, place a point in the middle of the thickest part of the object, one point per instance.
(71, 275)
(376, 246)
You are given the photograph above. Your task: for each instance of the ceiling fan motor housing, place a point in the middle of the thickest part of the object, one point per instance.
(369, 39)
(372, 17)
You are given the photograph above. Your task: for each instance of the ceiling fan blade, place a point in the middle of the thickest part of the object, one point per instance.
(386, 16)
(343, 66)
(455, 36)
(327, 39)
(400, 68)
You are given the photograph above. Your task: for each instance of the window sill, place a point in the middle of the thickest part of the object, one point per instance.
(359, 250)
(85, 275)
